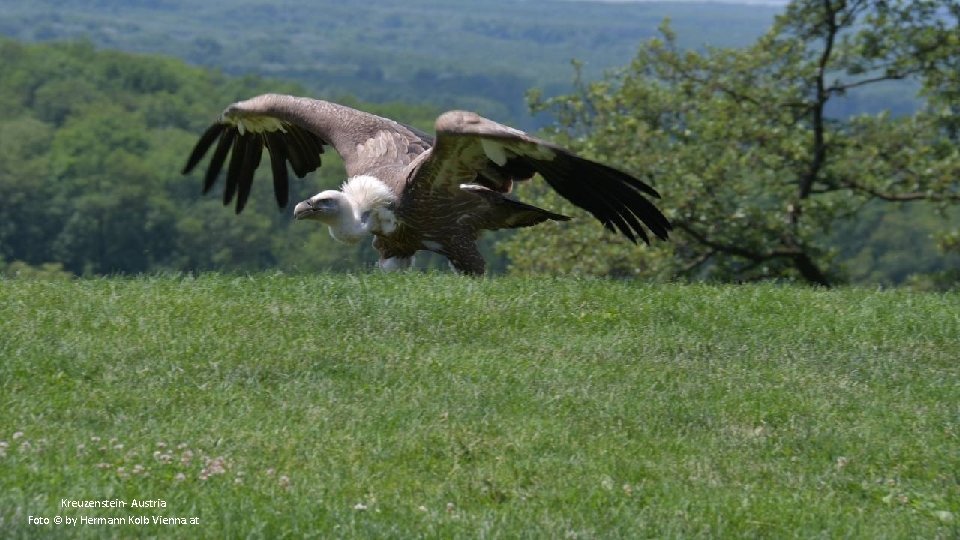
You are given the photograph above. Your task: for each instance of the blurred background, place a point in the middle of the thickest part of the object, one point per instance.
(102, 101)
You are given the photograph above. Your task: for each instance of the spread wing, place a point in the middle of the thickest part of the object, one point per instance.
(470, 149)
(294, 131)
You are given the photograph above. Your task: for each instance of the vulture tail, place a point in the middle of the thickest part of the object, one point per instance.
(507, 213)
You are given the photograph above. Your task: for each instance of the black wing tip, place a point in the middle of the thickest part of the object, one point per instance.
(203, 144)
(278, 165)
(241, 204)
(217, 160)
(252, 152)
(630, 203)
(297, 146)
(616, 199)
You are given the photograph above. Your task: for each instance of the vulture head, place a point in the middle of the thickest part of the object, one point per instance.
(363, 206)
(326, 207)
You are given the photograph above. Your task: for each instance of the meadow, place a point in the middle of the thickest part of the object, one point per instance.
(429, 405)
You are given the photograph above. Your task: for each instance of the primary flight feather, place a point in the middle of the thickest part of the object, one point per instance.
(411, 191)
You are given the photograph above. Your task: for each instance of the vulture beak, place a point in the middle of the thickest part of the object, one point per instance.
(316, 208)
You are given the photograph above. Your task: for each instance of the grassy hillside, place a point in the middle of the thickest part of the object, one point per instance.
(370, 405)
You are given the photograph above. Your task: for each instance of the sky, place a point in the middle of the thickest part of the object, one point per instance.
(757, 2)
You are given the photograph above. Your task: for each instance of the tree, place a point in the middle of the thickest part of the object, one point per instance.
(754, 170)
(24, 193)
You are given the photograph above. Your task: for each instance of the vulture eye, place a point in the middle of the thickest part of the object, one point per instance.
(326, 204)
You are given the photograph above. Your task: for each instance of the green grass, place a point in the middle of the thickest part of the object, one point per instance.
(438, 406)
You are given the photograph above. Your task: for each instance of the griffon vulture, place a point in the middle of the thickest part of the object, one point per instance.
(408, 190)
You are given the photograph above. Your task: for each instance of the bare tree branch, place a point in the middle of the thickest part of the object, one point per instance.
(697, 262)
(801, 260)
(840, 88)
(819, 146)
(908, 196)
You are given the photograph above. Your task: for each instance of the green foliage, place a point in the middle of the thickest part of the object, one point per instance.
(46, 271)
(471, 55)
(90, 150)
(371, 406)
(91, 140)
(755, 172)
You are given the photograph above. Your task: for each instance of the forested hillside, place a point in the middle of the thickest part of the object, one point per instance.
(91, 144)
(477, 55)
(481, 55)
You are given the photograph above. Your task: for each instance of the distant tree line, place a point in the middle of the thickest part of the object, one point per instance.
(475, 55)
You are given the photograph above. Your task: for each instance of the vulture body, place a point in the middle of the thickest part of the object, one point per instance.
(409, 190)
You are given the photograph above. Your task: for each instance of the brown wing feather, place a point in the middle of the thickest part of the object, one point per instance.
(468, 145)
(294, 130)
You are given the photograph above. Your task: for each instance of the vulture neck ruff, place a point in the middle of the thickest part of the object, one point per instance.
(369, 211)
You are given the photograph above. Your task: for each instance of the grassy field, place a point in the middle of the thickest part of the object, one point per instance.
(437, 406)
